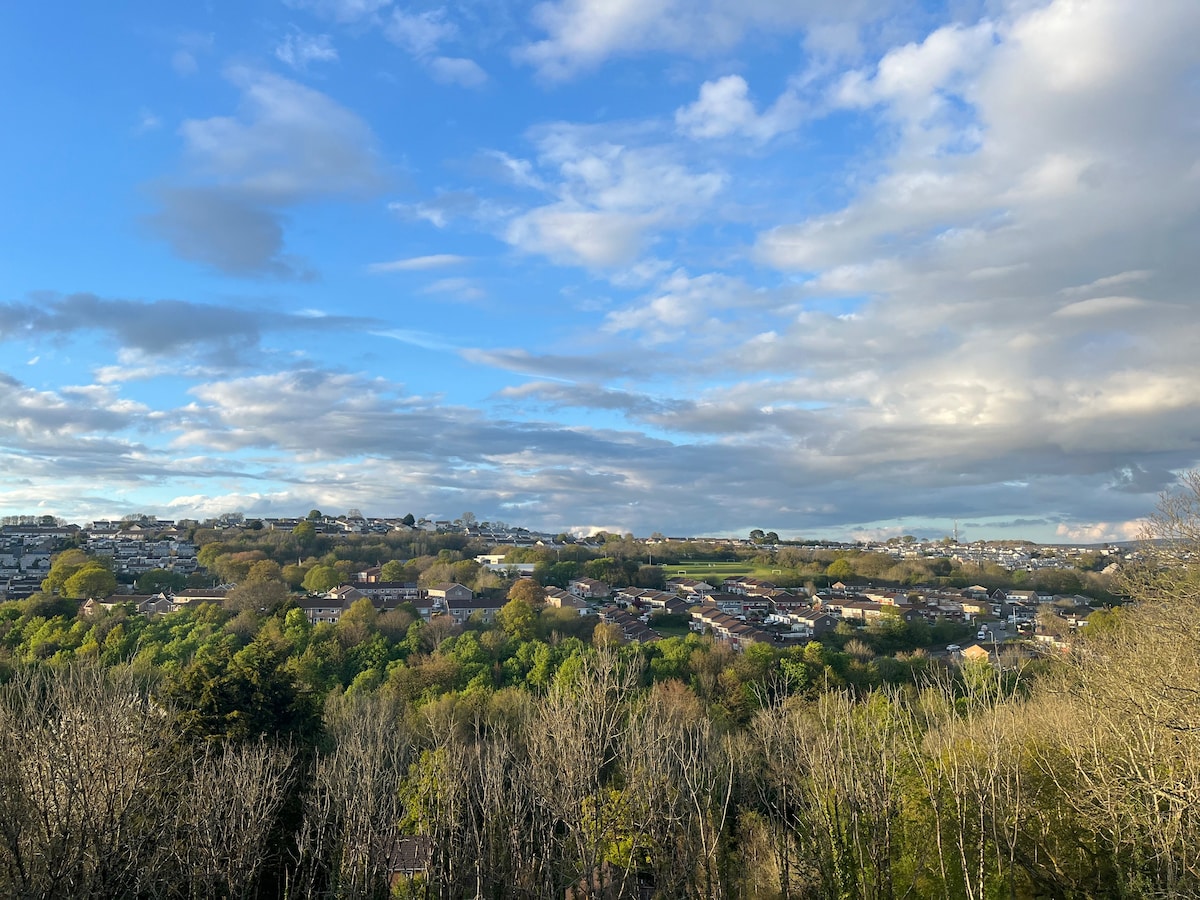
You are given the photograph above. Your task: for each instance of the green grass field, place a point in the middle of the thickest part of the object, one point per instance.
(716, 572)
(704, 571)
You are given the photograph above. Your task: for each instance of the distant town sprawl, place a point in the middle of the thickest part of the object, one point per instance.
(740, 589)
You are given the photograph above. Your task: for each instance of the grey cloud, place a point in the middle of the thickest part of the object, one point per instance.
(554, 365)
(351, 440)
(225, 230)
(590, 396)
(289, 145)
(157, 328)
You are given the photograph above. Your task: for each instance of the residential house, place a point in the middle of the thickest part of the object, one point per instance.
(632, 628)
(589, 588)
(560, 599)
(461, 609)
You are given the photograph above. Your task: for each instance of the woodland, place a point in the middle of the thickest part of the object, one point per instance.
(237, 751)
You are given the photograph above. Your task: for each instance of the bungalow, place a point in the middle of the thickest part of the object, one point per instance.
(345, 594)
(976, 607)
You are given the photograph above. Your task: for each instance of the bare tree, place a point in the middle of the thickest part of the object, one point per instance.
(575, 749)
(350, 840)
(88, 775)
(226, 811)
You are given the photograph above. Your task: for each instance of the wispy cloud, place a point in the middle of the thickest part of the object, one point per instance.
(298, 49)
(417, 263)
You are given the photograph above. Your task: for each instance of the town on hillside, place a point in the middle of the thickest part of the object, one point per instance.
(968, 599)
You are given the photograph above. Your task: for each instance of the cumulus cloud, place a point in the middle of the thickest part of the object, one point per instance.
(610, 198)
(724, 109)
(458, 70)
(290, 144)
(691, 306)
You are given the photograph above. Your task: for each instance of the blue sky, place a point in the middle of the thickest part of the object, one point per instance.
(691, 266)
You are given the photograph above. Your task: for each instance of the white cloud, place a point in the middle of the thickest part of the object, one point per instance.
(288, 145)
(419, 33)
(417, 263)
(1102, 532)
(1109, 281)
(912, 76)
(455, 70)
(147, 122)
(582, 34)
(1098, 306)
(724, 109)
(288, 142)
(192, 45)
(683, 305)
(298, 49)
(344, 11)
(610, 198)
(571, 235)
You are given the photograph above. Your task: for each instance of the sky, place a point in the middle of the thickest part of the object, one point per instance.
(832, 268)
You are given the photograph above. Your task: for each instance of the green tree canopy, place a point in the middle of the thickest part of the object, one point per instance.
(160, 580)
(322, 578)
(92, 580)
(839, 569)
(64, 566)
(517, 618)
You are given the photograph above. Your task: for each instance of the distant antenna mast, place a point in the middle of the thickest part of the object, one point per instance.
(956, 531)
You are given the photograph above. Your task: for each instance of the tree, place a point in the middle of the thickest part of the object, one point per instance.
(160, 580)
(92, 580)
(527, 590)
(409, 520)
(63, 567)
(321, 578)
(260, 595)
(1126, 717)
(839, 569)
(394, 570)
(304, 533)
(757, 535)
(88, 767)
(517, 618)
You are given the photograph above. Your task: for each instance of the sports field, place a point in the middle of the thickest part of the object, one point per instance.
(708, 571)
(716, 572)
